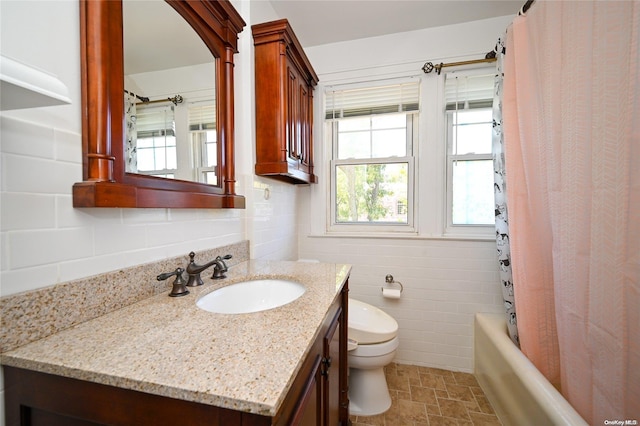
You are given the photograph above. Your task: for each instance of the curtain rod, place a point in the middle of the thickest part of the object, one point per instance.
(429, 66)
(177, 99)
(489, 57)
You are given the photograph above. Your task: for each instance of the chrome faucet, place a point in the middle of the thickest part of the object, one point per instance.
(194, 270)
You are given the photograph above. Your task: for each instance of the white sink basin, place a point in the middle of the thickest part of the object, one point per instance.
(251, 296)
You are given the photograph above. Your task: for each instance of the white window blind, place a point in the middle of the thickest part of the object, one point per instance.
(154, 120)
(202, 115)
(403, 97)
(468, 90)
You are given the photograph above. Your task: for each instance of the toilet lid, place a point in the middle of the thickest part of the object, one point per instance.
(369, 324)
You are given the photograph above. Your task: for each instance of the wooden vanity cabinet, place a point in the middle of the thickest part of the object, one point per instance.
(335, 395)
(284, 84)
(317, 397)
(39, 399)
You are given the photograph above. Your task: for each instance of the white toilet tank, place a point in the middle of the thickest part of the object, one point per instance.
(368, 324)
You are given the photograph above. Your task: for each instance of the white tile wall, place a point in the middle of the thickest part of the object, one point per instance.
(29, 216)
(274, 220)
(46, 241)
(34, 175)
(445, 283)
(22, 138)
(66, 146)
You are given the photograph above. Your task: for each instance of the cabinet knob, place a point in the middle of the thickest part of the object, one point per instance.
(327, 362)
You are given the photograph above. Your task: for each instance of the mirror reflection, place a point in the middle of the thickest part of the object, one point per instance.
(169, 96)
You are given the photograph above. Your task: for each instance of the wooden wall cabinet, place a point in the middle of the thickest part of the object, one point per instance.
(284, 84)
(317, 397)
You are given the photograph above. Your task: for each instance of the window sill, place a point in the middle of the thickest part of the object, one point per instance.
(404, 236)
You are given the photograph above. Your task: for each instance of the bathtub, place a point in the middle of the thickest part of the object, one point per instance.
(518, 392)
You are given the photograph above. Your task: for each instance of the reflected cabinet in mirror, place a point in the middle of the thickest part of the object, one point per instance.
(157, 104)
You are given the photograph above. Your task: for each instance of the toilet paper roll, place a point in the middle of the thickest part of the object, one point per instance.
(391, 293)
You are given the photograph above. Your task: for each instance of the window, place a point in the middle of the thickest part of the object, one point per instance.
(156, 140)
(469, 118)
(202, 131)
(373, 134)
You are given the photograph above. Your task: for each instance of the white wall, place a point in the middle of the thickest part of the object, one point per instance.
(446, 281)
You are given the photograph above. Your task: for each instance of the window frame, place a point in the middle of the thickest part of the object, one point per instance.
(333, 226)
(429, 153)
(198, 139)
(159, 132)
(188, 154)
(451, 229)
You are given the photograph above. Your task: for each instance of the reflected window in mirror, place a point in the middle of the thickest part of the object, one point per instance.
(153, 132)
(154, 141)
(204, 141)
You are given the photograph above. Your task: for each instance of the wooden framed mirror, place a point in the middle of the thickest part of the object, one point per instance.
(106, 181)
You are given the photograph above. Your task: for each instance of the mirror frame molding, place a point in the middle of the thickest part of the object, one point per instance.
(105, 181)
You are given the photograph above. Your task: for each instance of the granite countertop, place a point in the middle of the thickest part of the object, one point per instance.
(168, 346)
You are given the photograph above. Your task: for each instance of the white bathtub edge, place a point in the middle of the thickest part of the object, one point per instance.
(518, 392)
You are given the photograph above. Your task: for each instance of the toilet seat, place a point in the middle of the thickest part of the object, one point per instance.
(375, 349)
(368, 324)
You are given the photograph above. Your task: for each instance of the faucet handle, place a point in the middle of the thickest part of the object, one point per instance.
(220, 267)
(179, 288)
(221, 262)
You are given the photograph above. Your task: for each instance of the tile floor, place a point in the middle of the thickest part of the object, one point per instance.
(423, 396)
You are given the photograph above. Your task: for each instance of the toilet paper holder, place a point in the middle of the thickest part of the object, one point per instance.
(389, 280)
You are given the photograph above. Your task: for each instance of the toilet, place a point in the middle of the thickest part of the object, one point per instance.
(372, 345)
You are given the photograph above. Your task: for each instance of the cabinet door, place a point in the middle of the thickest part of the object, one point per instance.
(331, 372)
(306, 120)
(309, 409)
(293, 125)
(299, 120)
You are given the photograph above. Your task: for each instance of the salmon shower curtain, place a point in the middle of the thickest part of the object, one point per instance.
(571, 122)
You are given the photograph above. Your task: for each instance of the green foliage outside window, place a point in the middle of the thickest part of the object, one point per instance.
(371, 192)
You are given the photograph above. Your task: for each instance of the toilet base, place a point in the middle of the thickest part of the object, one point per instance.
(368, 392)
